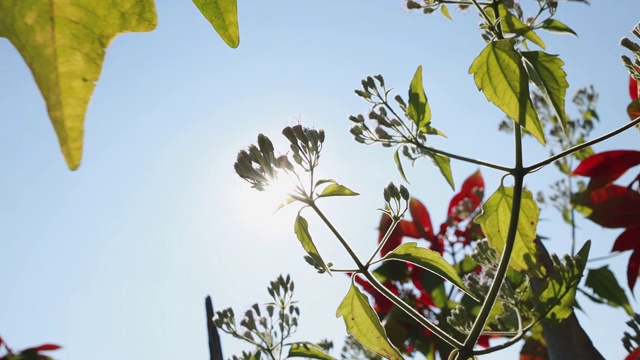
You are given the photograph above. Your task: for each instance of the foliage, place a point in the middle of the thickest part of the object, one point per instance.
(512, 287)
(267, 327)
(64, 43)
(33, 353)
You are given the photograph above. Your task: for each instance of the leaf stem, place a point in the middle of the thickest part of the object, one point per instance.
(518, 175)
(411, 311)
(335, 232)
(461, 158)
(571, 150)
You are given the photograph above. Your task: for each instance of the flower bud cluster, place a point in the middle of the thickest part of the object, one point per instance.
(258, 164)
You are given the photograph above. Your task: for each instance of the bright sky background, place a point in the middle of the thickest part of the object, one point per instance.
(115, 260)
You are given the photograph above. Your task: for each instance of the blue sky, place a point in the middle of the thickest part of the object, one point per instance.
(114, 260)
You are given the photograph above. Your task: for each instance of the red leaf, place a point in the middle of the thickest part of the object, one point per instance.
(628, 240)
(635, 355)
(394, 239)
(632, 269)
(633, 88)
(46, 347)
(409, 229)
(613, 206)
(605, 167)
(468, 199)
(421, 219)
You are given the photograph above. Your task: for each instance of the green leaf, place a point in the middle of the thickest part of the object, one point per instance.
(512, 25)
(427, 259)
(63, 43)
(605, 285)
(418, 109)
(396, 158)
(363, 323)
(495, 219)
(301, 228)
(223, 15)
(337, 190)
(556, 26)
(308, 350)
(546, 73)
(445, 11)
(560, 289)
(498, 72)
(444, 164)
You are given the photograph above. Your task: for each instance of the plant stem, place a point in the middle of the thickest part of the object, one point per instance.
(411, 311)
(478, 325)
(461, 158)
(573, 149)
(335, 232)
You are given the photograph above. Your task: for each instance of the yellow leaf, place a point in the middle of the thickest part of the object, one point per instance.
(63, 42)
(223, 15)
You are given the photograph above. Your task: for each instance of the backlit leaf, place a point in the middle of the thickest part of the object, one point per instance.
(444, 165)
(301, 228)
(499, 73)
(495, 219)
(611, 206)
(223, 16)
(546, 72)
(468, 199)
(337, 190)
(628, 240)
(418, 109)
(556, 26)
(363, 323)
(421, 220)
(396, 158)
(512, 25)
(426, 259)
(634, 110)
(308, 350)
(605, 285)
(63, 43)
(607, 166)
(445, 11)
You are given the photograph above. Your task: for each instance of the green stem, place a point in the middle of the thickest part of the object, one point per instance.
(411, 311)
(386, 237)
(573, 149)
(461, 158)
(481, 319)
(335, 232)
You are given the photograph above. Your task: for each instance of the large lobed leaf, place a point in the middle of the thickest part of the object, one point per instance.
(223, 16)
(63, 43)
(363, 323)
(495, 219)
(499, 73)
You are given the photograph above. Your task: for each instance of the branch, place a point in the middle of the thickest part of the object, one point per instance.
(541, 164)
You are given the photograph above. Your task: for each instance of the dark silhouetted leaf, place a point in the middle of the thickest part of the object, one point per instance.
(605, 285)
